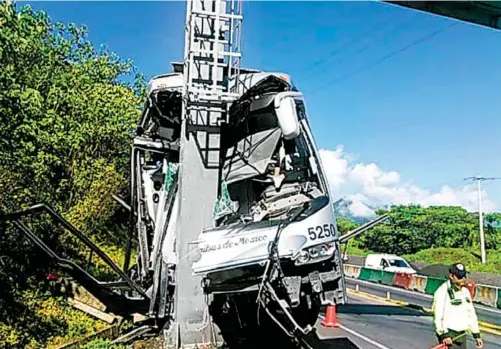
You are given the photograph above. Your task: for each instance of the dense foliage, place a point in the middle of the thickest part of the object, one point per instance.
(66, 121)
(344, 225)
(410, 229)
(433, 234)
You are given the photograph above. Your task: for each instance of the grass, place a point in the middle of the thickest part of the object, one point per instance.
(48, 321)
(100, 343)
(356, 251)
(453, 255)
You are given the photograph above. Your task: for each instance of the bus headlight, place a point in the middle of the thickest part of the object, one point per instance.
(324, 250)
(303, 257)
(314, 254)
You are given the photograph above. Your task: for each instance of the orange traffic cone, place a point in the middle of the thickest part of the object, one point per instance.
(330, 317)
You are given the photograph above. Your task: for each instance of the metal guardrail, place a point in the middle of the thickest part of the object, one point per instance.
(362, 228)
(16, 219)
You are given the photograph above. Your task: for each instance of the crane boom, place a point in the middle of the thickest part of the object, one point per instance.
(211, 59)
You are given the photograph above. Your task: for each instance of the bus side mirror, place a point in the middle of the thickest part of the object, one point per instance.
(285, 109)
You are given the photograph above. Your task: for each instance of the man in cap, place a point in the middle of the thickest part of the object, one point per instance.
(453, 311)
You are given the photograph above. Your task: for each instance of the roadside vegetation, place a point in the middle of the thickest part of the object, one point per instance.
(433, 235)
(67, 118)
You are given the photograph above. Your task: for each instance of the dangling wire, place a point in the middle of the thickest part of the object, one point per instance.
(274, 258)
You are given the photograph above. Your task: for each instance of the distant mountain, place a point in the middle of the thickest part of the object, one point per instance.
(342, 209)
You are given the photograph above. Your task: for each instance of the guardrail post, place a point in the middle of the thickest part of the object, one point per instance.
(498, 300)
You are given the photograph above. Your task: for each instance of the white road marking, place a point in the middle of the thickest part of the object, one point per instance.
(359, 335)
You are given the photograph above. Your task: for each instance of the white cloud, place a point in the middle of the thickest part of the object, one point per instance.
(367, 186)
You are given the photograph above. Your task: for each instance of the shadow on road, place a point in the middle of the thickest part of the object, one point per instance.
(337, 343)
(376, 309)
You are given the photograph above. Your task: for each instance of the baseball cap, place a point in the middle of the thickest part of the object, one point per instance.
(459, 270)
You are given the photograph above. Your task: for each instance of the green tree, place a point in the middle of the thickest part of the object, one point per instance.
(492, 229)
(345, 225)
(410, 229)
(67, 118)
(66, 121)
(439, 234)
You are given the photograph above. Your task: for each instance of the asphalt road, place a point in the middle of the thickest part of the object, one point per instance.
(484, 314)
(390, 327)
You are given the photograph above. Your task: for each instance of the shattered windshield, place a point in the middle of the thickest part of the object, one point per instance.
(265, 175)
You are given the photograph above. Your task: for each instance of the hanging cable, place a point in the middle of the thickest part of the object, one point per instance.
(390, 55)
(336, 52)
(273, 256)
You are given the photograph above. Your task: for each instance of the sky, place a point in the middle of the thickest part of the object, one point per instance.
(403, 104)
